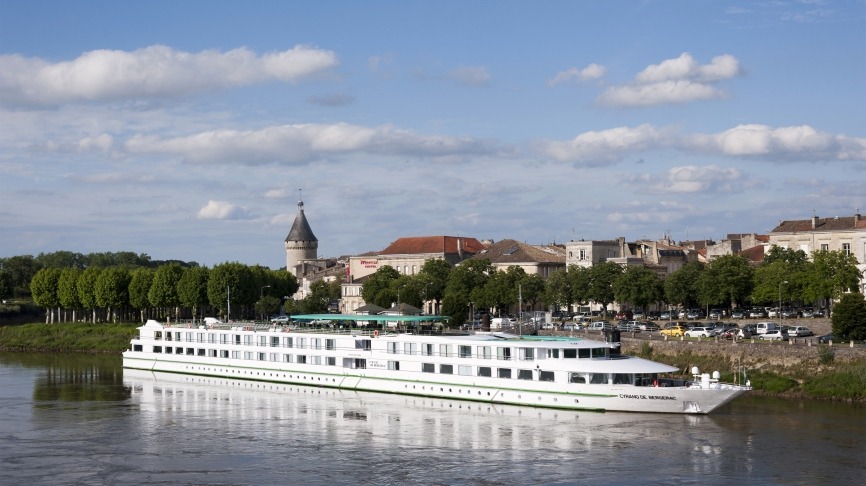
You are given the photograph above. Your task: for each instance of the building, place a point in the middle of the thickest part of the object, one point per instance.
(846, 234)
(534, 260)
(301, 245)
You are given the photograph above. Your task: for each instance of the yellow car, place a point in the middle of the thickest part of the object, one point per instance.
(673, 330)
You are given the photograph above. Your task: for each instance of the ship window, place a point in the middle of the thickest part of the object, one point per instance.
(503, 353)
(428, 367)
(599, 352)
(445, 350)
(364, 344)
(157, 349)
(622, 379)
(237, 338)
(316, 360)
(236, 355)
(526, 354)
(524, 374)
(569, 353)
(394, 365)
(178, 350)
(262, 356)
(302, 359)
(427, 350)
(553, 353)
(331, 344)
(168, 336)
(190, 351)
(484, 352)
(484, 371)
(503, 372)
(598, 378)
(545, 376)
(331, 361)
(137, 347)
(273, 357)
(199, 337)
(583, 353)
(446, 369)
(465, 370)
(465, 351)
(315, 343)
(576, 378)
(301, 342)
(248, 355)
(224, 338)
(189, 337)
(224, 353)
(410, 348)
(287, 342)
(288, 358)
(158, 335)
(212, 353)
(211, 338)
(201, 352)
(393, 347)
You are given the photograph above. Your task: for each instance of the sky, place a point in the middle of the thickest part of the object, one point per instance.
(189, 130)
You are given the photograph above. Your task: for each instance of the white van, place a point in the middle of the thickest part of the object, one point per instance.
(600, 326)
(763, 327)
(498, 323)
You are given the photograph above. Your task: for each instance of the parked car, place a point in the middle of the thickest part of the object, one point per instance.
(665, 316)
(700, 332)
(570, 327)
(639, 315)
(807, 312)
(826, 338)
(695, 314)
(799, 331)
(774, 335)
(773, 312)
(649, 326)
(716, 314)
(789, 313)
(738, 314)
(630, 326)
(280, 319)
(819, 313)
(673, 330)
(757, 313)
(625, 314)
(600, 326)
(751, 328)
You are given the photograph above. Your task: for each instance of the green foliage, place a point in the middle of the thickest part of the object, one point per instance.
(646, 350)
(87, 288)
(192, 288)
(638, 285)
(466, 284)
(434, 277)
(771, 382)
(139, 288)
(726, 279)
(680, 286)
(826, 355)
(67, 288)
(602, 277)
(112, 289)
(379, 289)
(75, 337)
(848, 382)
(44, 286)
(163, 289)
(849, 317)
(830, 274)
(19, 271)
(558, 290)
(501, 289)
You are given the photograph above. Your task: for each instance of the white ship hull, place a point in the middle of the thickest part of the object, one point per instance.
(345, 363)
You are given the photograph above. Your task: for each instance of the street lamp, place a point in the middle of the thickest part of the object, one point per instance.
(261, 296)
(785, 282)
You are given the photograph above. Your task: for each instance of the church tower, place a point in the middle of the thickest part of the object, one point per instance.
(301, 244)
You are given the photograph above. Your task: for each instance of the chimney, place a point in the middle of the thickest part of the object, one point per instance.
(460, 248)
(814, 222)
(856, 218)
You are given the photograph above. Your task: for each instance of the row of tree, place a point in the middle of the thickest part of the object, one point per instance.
(728, 281)
(116, 293)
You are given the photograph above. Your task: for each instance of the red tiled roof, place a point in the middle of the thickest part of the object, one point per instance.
(754, 254)
(822, 224)
(512, 251)
(432, 244)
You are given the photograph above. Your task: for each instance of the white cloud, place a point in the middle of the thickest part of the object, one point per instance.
(679, 80)
(695, 179)
(222, 210)
(593, 71)
(155, 71)
(794, 142)
(303, 143)
(470, 75)
(605, 146)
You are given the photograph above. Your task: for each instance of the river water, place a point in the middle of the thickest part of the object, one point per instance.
(73, 419)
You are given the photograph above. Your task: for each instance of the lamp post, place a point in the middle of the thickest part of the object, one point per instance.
(261, 296)
(784, 282)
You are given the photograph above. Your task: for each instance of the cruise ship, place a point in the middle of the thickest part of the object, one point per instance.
(540, 371)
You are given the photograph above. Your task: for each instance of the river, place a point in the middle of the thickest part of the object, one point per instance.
(72, 419)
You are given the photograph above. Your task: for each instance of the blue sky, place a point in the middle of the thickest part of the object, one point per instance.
(184, 130)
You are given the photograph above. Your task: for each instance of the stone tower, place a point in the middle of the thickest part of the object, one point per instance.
(301, 244)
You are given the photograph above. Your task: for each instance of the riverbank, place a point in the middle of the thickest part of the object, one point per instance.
(774, 369)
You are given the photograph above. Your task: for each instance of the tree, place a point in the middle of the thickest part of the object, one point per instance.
(62, 259)
(501, 289)
(140, 282)
(67, 289)
(465, 285)
(602, 277)
(680, 286)
(849, 317)
(378, 289)
(321, 294)
(724, 279)
(434, 277)
(20, 271)
(112, 290)
(233, 282)
(557, 290)
(831, 274)
(163, 290)
(43, 288)
(192, 289)
(87, 289)
(580, 279)
(638, 285)
(531, 289)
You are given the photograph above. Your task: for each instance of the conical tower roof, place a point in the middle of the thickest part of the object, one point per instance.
(301, 230)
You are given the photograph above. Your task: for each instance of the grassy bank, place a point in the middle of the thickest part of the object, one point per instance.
(811, 377)
(821, 377)
(68, 337)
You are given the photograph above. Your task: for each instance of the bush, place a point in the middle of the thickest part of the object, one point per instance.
(826, 355)
(849, 317)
